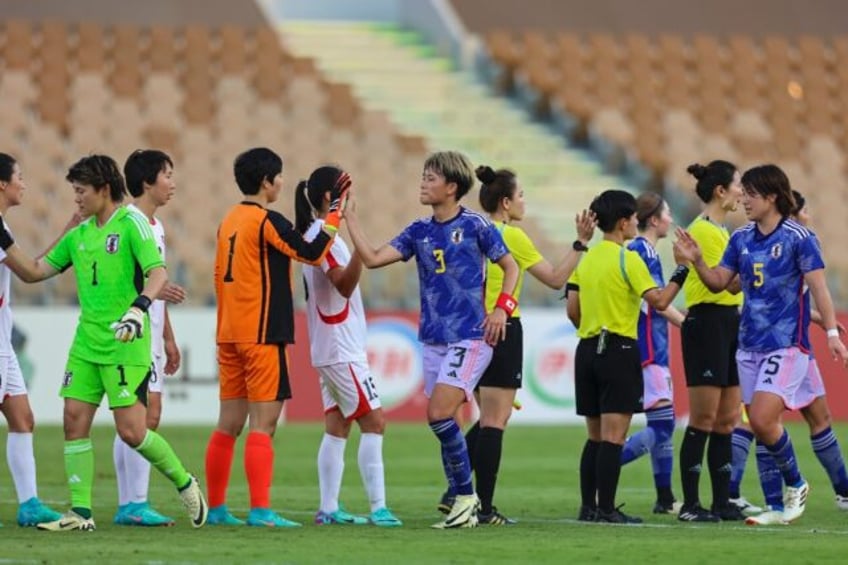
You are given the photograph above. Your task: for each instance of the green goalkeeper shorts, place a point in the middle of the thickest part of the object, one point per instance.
(88, 382)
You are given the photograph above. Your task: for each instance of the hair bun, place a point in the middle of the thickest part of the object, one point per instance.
(697, 170)
(485, 174)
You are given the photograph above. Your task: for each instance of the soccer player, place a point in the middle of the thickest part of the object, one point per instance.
(450, 248)
(112, 251)
(709, 340)
(149, 178)
(654, 221)
(502, 197)
(604, 299)
(14, 401)
(337, 332)
(817, 415)
(775, 258)
(253, 259)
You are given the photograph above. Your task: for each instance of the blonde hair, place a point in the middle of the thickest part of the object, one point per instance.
(455, 167)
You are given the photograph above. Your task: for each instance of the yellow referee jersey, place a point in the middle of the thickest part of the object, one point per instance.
(713, 240)
(525, 254)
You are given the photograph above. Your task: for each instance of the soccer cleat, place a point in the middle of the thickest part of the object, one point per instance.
(795, 501)
(745, 507)
(33, 512)
(696, 513)
(587, 514)
(494, 518)
(617, 517)
(68, 522)
(767, 518)
(463, 514)
(141, 514)
(729, 513)
(446, 503)
(194, 502)
(339, 516)
(384, 517)
(672, 507)
(842, 502)
(269, 519)
(220, 516)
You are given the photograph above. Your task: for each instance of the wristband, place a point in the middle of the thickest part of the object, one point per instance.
(506, 303)
(579, 246)
(332, 221)
(142, 303)
(679, 275)
(833, 332)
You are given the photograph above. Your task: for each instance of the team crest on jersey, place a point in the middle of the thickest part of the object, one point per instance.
(456, 235)
(112, 242)
(66, 380)
(776, 250)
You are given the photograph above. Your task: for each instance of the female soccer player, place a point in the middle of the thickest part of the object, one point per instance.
(337, 332)
(14, 400)
(111, 350)
(451, 247)
(502, 197)
(775, 258)
(708, 339)
(654, 222)
(604, 298)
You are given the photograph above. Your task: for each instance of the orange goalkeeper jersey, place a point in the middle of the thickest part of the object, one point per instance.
(253, 279)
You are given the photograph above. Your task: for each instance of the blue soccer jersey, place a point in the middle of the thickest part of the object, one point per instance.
(776, 311)
(451, 258)
(653, 328)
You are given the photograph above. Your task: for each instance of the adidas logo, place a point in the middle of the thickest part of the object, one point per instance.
(124, 393)
(767, 381)
(707, 374)
(74, 479)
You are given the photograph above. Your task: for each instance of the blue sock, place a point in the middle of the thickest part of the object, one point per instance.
(451, 487)
(741, 445)
(826, 447)
(770, 479)
(455, 455)
(784, 456)
(638, 445)
(661, 420)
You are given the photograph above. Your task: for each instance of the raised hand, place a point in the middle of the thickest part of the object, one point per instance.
(585, 222)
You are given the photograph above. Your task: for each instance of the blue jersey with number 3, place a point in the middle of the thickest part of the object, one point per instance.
(653, 328)
(451, 258)
(776, 311)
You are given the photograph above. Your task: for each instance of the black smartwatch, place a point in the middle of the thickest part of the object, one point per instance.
(579, 246)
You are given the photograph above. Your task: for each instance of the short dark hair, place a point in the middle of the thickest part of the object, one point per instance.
(7, 167)
(717, 173)
(254, 166)
(99, 171)
(770, 179)
(143, 166)
(611, 206)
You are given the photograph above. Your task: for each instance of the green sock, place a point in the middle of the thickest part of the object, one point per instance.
(79, 468)
(161, 455)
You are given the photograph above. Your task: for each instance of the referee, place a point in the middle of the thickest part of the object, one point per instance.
(604, 299)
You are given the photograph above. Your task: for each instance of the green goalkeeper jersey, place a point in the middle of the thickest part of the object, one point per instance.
(110, 263)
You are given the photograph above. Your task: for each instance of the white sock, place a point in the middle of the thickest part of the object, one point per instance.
(330, 471)
(138, 474)
(21, 462)
(371, 469)
(118, 454)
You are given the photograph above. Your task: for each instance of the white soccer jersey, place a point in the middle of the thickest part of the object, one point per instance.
(337, 330)
(5, 305)
(157, 308)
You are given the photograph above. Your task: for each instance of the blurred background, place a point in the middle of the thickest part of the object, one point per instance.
(576, 96)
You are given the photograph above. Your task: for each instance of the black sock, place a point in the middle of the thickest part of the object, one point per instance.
(588, 469)
(665, 496)
(691, 457)
(609, 470)
(720, 462)
(489, 445)
(471, 441)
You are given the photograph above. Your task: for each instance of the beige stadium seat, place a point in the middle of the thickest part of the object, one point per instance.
(17, 48)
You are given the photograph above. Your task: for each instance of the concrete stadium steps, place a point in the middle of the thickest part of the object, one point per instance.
(394, 71)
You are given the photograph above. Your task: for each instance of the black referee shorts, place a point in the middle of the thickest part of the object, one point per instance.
(504, 371)
(709, 338)
(610, 382)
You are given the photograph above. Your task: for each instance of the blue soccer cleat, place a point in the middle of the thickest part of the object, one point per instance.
(33, 512)
(220, 516)
(383, 517)
(340, 516)
(269, 519)
(141, 514)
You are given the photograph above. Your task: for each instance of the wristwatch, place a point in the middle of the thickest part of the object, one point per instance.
(579, 246)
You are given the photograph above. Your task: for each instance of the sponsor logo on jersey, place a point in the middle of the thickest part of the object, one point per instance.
(112, 243)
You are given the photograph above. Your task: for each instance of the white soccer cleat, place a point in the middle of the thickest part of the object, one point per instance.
(795, 501)
(69, 521)
(767, 518)
(195, 503)
(842, 502)
(463, 514)
(745, 507)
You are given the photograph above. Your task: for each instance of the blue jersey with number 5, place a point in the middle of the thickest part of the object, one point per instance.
(771, 268)
(451, 258)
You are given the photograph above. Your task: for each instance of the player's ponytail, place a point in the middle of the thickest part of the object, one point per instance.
(495, 186)
(309, 195)
(302, 210)
(717, 173)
